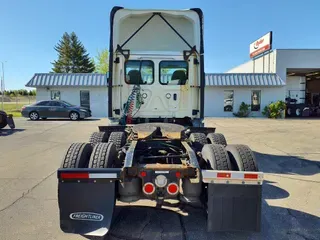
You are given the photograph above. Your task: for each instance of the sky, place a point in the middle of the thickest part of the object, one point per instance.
(29, 30)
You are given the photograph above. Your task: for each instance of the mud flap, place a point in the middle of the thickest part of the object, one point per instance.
(86, 206)
(234, 207)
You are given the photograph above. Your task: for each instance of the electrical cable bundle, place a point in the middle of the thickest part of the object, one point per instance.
(134, 97)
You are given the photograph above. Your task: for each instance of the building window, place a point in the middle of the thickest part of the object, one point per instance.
(85, 99)
(139, 72)
(228, 100)
(55, 95)
(173, 72)
(255, 100)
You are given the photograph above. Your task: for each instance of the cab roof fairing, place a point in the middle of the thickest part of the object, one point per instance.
(122, 14)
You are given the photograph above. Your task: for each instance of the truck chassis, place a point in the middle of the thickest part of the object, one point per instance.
(158, 161)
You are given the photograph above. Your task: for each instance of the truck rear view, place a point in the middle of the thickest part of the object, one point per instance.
(157, 147)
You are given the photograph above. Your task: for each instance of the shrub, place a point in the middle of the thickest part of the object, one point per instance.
(274, 110)
(244, 110)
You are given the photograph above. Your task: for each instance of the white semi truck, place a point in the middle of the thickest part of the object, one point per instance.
(156, 145)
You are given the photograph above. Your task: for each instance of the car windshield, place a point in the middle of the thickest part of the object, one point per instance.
(67, 104)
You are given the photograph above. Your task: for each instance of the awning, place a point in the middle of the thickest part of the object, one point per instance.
(70, 79)
(243, 79)
(97, 80)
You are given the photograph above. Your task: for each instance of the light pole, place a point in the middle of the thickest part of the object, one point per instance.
(2, 86)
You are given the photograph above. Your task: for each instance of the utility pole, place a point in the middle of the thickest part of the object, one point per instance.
(2, 86)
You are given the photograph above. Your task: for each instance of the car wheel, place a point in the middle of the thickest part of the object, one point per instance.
(74, 116)
(34, 116)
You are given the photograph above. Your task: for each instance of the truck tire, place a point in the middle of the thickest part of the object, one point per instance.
(217, 138)
(216, 157)
(198, 140)
(242, 158)
(98, 137)
(104, 155)
(3, 119)
(77, 156)
(10, 121)
(118, 139)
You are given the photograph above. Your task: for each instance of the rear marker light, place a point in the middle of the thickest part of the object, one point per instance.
(148, 188)
(178, 174)
(223, 175)
(74, 175)
(172, 188)
(251, 176)
(143, 174)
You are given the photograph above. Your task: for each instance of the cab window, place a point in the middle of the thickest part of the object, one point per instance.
(173, 72)
(139, 72)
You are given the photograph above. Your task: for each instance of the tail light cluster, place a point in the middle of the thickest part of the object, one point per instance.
(161, 181)
(149, 188)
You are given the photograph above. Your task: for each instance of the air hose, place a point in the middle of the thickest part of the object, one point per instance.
(134, 97)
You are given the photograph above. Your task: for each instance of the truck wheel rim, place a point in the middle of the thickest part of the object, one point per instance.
(74, 116)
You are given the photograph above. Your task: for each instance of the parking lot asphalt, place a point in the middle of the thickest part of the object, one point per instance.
(287, 151)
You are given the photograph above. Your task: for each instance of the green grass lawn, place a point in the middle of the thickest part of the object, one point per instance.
(13, 108)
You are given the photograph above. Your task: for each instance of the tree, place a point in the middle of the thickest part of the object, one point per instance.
(32, 92)
(102, 61)
(72, 56)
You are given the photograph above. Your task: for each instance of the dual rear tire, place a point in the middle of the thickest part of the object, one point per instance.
(118, 138)
(218, 155)
(84, 155)
(234, 157)
(100, 152)
(198, 140)
(77, 156)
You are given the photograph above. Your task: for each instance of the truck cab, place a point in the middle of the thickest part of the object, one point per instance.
(156, 66)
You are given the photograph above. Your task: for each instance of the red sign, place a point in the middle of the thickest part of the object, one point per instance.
(261, 45)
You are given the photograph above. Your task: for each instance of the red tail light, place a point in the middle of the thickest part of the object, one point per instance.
(250, 176)
(172, 188)
(74, 175)
(223, 175)
(148, 188)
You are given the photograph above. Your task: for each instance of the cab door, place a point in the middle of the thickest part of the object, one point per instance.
(163, 87)
(173, 78)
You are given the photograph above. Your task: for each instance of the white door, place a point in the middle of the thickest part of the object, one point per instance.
(162, 85)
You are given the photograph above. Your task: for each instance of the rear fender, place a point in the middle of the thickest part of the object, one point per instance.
(86, 199)
(233, 200)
